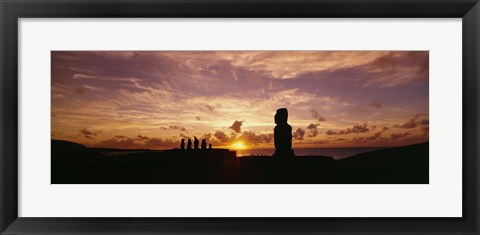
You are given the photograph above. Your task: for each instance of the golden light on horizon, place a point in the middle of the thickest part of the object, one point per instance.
(238, 145)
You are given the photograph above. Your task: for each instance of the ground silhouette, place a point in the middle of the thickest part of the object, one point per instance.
(74, 163)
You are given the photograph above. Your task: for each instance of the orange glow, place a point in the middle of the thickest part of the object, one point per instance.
(238, 145)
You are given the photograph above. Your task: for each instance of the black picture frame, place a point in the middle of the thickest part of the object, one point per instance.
(12, 10)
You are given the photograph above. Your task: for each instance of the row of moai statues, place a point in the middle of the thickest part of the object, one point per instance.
(195, 144)
(282, 137)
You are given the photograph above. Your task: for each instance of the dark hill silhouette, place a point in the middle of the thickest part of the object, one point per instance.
(63, 145)
(408, 164)
(74, 163)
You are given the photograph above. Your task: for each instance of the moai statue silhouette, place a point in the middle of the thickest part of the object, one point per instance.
(189, 144)
(283, 135)
(182, 144)
(204, 144)
(195, 143)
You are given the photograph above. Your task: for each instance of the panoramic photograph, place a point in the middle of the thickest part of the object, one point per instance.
(239, 117)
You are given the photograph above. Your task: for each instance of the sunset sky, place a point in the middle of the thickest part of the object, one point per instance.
(153, 99)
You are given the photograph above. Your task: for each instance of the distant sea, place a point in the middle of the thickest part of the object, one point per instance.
(336, 153)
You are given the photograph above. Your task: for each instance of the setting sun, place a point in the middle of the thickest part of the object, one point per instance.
(238, 145)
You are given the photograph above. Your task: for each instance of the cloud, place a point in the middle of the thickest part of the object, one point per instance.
(387, 69)
(412, 123)
(281, 65)
(84, 88)
(330, 132)
(247, 137)
(376, 135)
(376, 138)
(141, 137)
(409, 124)
(397, 136)
(127, 143)
(395, 68)
(55, 134)
(221, 137)
(355, 129)
(385, 138)
(425, 131)
(423, 122)
(139, 142)
(317, 116)
(158, 143)
(89, 134)
(210, 108)
(252, 138)
(150, 91)
(206, 136)
(376, 104)
(79, 91)
(236, 126)
(298, 134)
(312, 130)
(174, 127)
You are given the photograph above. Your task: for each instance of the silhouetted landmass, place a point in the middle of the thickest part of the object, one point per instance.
(407, 165)
(73, 163)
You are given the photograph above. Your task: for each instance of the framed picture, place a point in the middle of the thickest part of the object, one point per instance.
(239, 117)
